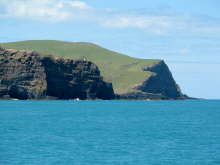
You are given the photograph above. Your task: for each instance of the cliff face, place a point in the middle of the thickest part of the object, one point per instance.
(75, 79)
(28, 75)
(161, 82)
(160, 85)
(22, 75)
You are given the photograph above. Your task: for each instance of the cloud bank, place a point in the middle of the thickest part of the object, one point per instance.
(49, 10)
(74, 10)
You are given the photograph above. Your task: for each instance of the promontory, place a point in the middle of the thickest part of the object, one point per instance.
(68, 70)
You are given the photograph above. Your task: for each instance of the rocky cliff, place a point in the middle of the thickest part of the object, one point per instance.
(160, 85)
(28, 75)
(161, 82)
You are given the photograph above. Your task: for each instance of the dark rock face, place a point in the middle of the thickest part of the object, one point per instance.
(159, 86)
(22, 75)
(27, 75)
(75, 79)
(161, 82)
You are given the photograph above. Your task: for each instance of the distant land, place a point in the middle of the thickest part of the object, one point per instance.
(131, 78)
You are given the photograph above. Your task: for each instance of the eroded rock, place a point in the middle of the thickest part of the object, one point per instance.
(28, 75)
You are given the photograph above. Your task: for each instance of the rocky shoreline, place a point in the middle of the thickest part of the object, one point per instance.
(30, 75)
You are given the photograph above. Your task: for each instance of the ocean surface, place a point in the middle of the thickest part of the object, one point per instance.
(110, 132)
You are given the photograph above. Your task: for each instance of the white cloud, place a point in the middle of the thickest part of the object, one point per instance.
(72, 10)
(52, 10)
(79, 4)
(157, 24)
(164, 24)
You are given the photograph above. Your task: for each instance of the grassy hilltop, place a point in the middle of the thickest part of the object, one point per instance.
(123, 71)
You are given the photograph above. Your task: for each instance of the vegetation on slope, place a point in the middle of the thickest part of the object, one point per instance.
(123, 71)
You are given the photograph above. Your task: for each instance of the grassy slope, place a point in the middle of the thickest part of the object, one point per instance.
(123, 71)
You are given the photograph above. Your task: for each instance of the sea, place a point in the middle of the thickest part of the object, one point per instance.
(110, 132)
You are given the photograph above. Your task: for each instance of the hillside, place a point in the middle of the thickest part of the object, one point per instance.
(123, 71)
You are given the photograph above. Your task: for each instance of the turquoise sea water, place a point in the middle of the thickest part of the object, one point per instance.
(110, 132)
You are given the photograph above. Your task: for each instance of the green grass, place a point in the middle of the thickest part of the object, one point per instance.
(123, 71)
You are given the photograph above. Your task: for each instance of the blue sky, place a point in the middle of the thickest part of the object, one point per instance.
(186, 34)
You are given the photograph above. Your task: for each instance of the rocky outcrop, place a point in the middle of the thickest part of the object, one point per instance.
(28, 75)
(22, 75)
(160, 85)
(75, 79)
(161, 82)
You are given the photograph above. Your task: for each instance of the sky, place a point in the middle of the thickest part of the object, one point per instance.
(186, 34)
